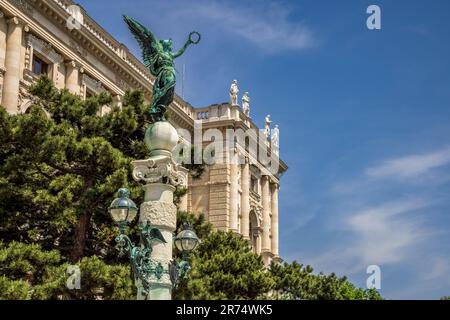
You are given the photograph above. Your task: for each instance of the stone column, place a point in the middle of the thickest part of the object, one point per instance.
(3, 35)
(266, 245)
(13, 56)
(72, 77)
(258, 242)
(245, 200)
(274, 226)
(161, 175)
(234, 193)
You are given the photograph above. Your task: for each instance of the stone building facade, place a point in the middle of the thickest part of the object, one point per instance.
(58, 38)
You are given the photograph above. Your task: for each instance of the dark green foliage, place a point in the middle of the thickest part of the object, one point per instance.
(32, 273)
(178, 194)
(224, 267)
(60, 167)
(295, 281)
(28, 272)
(60, 172)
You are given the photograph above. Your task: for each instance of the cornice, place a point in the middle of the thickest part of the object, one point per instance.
(58, 45)
(112, 52)
(87, 38)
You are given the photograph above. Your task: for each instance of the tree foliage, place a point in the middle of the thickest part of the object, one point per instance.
(295, 281)
(32, 273)
(61, 164)
(224, 267)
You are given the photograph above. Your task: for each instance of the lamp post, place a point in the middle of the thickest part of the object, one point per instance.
(185, 241)
(160, 173)
(123, 211)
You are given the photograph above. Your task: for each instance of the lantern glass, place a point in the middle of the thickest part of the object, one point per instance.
(178, 244)
(186, 240)
(123, 209)
(189, 244)
(123, 214)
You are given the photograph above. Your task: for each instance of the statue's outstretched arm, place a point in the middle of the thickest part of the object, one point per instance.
(181, 51)
(188, 42)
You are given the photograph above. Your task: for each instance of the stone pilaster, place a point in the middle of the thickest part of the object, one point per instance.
(266, 245)
(234, 193)
(245, 200)
(274, 226)
(3, 34)
(11, 81)
(73, 77)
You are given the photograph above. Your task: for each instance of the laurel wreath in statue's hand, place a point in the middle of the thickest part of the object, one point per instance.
(194, 40)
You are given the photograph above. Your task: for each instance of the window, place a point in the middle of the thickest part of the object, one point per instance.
(40, 67)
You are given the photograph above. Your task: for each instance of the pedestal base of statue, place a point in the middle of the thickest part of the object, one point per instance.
(160, 174)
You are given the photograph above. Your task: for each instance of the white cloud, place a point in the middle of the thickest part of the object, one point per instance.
(385, 233)
(439, 270)
(266, 25)
(382, 235)
(386, 222)
(410, 166)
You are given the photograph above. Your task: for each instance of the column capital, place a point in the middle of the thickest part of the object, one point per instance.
(15, 21)
(275, 185)
(245, 163)
(73, 64)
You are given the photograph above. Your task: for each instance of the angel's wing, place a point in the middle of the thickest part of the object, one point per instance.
(156, 234)
(149, 44)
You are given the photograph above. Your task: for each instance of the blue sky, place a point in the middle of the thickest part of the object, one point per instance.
(363, 115)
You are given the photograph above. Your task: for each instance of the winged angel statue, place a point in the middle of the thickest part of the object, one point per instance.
(159, 60)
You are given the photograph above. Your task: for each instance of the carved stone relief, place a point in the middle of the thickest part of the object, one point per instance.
(159, 213)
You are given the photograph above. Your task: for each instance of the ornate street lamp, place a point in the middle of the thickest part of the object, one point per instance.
(123, 211)
(185, 241)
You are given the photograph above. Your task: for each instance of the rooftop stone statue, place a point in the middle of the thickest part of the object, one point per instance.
(234, 90)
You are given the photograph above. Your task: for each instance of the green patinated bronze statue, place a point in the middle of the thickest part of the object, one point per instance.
(158, 59)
